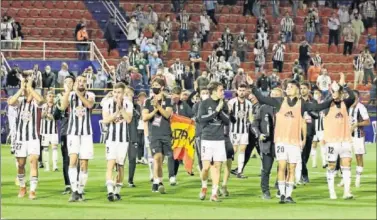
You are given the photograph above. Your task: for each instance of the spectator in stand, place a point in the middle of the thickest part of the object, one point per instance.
(100, 80)
(264, 84)
(37, 77)
(110, 35)
(176, 5)
(355, 13)
(196, 41)
(132, 31)
(111, 78)
(141, 41)
(333, 24)
(204, 26)
(82, 38)
(158, 40)
(184, 19)
(373, 92)
(3, 75)
(262, 37)
(278, 56)
(228, 39)
(210, 6)
(6, 32)
(316, 60)
(132, 55)
(155, 63)
(369, 13)
(286, 26)
(298, 75)
(358, 27)
(234, 61)
(121, 72)
(81, 24)
(313, 73)
(349, 37)
(177, 69)
(296, 66)
(259, 57)
(274, 79)
(149, 49)
(304, 56)
(294, 4)
(195, 60)
(17, 35)
(239, 79)
(262, 24)
(309, 25)
(63, 72)
(187, 82)
(143, 66)
(13, 80)
(136, 79)
(248, 7)
(257, 8)
(212, 61)
(242, 45)
(368, 67)
(152, 19)
(371, 44)
(344, 17)
(317, 20)
(90, 77)
(166, 29)
(358, 66)
(219, 47)
(202, 81)
(275, 9)
(324, 82)
(140, 17)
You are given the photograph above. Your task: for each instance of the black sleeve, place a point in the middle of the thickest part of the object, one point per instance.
(189, 111)
(224, 116)
(203, 115)
(256, 123)
(308, 107)
(351, 97)
(274, 102)
(57, 114)
(314, 115)
(147, 104)
(189, 100)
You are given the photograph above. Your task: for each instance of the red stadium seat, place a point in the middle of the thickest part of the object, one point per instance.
(49, 4)
(40, 23)
(34, 32)
(28, 23)
(87, 15)
(22, 13)
(77, 14)
(46, 33)
(11, 12)
(38, 5)
(80, 5)
(72, 24)
(16, 4)
(61, 23)
(5, 4)
(60, 5)
(27, 4)
(71, 5)
(45, 13)
(33, 13)
(66, 14)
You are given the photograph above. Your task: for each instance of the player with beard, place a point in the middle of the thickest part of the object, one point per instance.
(116, 113)
(26, 141)
(79, 134)
(288, 131)
(338, 136)
(157, 112)
(49, 132)
(213, 116)
(241, 109)
(359, 119)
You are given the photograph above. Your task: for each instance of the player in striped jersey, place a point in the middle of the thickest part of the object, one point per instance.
(116, 113)
(318, 137)
(27, 141)
(49, 133)
(359, 119)
(79, 134)
(241, 109)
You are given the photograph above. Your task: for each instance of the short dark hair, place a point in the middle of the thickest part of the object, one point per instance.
(242, 86)
(212, 86)
(120, 85)
(159, 81)
(294, 82)
(176, 90)
(305, 84)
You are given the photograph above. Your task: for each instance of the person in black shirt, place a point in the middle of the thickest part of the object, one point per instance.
(13, 81)
(157, 112)
(48, 78)
(304, 56)
(213, 117)
(188, 79)
(264, 84)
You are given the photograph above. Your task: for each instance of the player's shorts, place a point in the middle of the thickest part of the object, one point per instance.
(116, 151)
(343, 150)
(48, 139)
(160, 145)
(318, 136)
(289, 153)
(358, 144)
(239, 139)
(26, 148)
(213, 151)
(81, 145)
(229, 148)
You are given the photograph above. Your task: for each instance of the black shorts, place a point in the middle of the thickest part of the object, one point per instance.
(161, 145)
(229, 148)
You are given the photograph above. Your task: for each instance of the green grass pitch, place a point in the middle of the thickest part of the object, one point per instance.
(182, 201)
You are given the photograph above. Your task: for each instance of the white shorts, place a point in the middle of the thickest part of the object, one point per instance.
(48, 139)
(343, 150)
(116, 151)
(289, 153)
(239, 139)
(358, 145)
(81, 145)
(318, 136)
(26, 148)
(213, 151)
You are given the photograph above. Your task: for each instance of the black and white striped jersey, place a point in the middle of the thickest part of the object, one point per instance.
(358, 63)
(184, 19)
(241, 111)
(317, 61)
(79, 122)
(118, 129)
(48, 125)
(26, 123)
(319, 122)
(279, 52)
(287, 24)
(358, 113)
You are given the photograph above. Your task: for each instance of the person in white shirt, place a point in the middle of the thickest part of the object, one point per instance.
(204, 26)
(324, 82)
(333, 24)
(6, 32)
(359, 119)
(344, 17)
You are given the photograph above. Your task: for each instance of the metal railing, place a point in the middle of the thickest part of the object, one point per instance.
(93, 51)
(4, 61)
(115, 13)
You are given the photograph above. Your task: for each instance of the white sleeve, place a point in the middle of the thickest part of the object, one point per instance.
(128, 105)
(91, 96)
(363, 112)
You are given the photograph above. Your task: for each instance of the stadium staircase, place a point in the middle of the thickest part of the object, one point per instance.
(56, 20)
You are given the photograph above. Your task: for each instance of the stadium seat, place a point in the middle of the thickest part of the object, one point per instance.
(11, 12)
(87, 15)
(46, 33)
(38, 5)
(45, 13)
(80, 5)
(28, 23)
(5, 4)
(62, 23)
(60, 4)
(22, 13)
(76, 14)
(27, 4)
(66, 14)
(16, 4)
(49, 4)
(40, 23)
(33, 13)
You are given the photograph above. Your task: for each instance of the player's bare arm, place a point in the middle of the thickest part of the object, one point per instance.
(38, 98)
(13, 100)
(108, 118)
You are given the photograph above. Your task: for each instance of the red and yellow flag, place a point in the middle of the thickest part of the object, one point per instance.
(183, 132)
